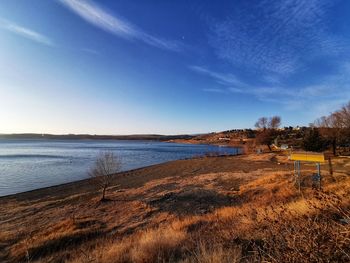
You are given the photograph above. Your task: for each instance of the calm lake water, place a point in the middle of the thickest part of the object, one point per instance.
(30, 164)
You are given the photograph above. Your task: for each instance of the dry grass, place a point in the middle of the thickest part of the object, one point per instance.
(213, 253)
(217, 209)
(313, 237)
(152, 245)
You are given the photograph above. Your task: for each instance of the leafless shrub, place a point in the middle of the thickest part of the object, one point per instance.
(102, 172)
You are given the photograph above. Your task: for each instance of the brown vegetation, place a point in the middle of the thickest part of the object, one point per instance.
(210, 209)
(101, 173)
(336, 127)
(330, 133)
(267, 130)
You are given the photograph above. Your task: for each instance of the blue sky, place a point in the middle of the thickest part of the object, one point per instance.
(170, 67)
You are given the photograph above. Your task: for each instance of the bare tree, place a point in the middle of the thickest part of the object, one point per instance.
(261, 123)
(274, 122)
(345, 116)
(330, 128)
(267, 127)
(335, 127)
(268, 123)
(105, 166)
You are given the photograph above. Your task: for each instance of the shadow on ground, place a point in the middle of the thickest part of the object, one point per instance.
(192, 202)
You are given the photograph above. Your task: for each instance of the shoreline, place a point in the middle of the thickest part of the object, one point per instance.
(238, 152)
(82, 181)
(87, 180)
(141, 200)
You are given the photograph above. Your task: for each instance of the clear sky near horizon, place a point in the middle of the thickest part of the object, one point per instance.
(170, 67)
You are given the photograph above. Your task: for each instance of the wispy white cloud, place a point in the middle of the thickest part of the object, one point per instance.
(222, 78)
(275, 36)
(101, 18)
(265, 92)
(273, 40)
(25, 32)
(325, 90)
(234, 84)
(331, 91)
(312, 100)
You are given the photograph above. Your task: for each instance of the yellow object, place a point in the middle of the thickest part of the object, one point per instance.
(307, 157)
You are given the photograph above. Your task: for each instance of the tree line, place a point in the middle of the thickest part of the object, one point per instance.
(328, 132)
(334, 129)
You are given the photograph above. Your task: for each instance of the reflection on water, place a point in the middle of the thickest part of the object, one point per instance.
(31, 164)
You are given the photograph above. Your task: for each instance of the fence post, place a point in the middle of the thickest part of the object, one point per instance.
(330, 166)
(319, 174)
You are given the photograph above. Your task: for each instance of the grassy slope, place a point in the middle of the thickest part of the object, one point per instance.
(213, 209)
